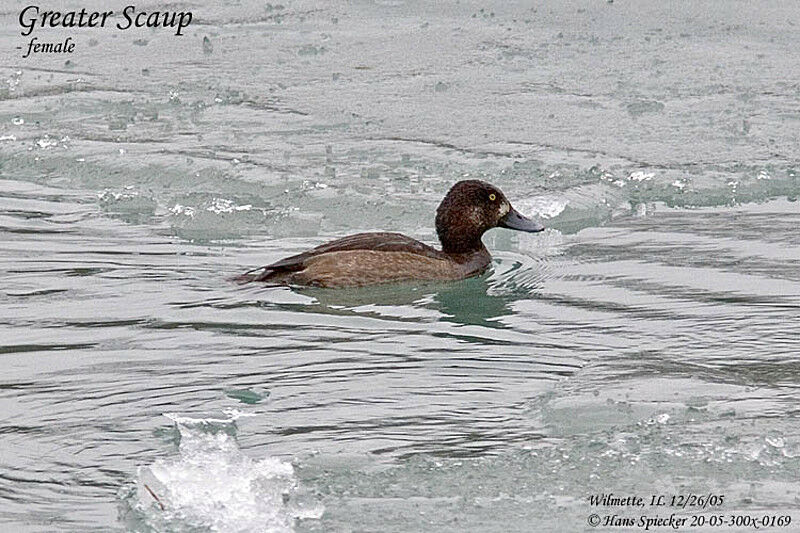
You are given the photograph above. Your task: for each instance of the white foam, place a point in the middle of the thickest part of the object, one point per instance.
(212, 485)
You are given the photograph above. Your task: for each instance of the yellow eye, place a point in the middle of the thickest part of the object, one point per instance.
(493, 197)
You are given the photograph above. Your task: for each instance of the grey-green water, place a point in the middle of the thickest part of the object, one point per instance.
(647, 343)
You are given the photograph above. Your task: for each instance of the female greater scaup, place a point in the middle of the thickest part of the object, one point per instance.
(469, 209)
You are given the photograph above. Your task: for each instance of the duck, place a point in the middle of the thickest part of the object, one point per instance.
(468, 210)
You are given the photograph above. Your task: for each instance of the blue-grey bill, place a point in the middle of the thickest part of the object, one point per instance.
(513, 220)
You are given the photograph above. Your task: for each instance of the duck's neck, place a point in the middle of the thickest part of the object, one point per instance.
(461, 244)
(456, 242)
(459, 226)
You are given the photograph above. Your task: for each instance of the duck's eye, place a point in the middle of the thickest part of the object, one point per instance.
(493, 197)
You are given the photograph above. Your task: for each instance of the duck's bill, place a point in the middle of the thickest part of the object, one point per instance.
(513, 220)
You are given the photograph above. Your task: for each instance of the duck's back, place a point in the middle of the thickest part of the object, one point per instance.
(364, 259)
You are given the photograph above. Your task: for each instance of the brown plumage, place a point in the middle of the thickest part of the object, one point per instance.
(468, 210)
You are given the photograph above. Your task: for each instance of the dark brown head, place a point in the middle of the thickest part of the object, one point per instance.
(469, 209)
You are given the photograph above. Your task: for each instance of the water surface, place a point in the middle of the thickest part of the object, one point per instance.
(646, 343)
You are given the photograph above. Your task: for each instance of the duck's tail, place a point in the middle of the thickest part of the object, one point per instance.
(257, 274)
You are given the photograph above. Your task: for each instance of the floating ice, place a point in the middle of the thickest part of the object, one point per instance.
(252, 395)
(8, 138)
(46, 142)
(641, 175)
(13, 81)
(108, 195)
(231, 415)
(222, 205)
(179, 209)
(775, 442)
(544, 206)
(212, 486)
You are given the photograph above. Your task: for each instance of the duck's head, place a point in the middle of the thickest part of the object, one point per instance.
(469, 209)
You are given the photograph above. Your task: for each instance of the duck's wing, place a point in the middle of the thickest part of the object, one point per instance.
(375, 241)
